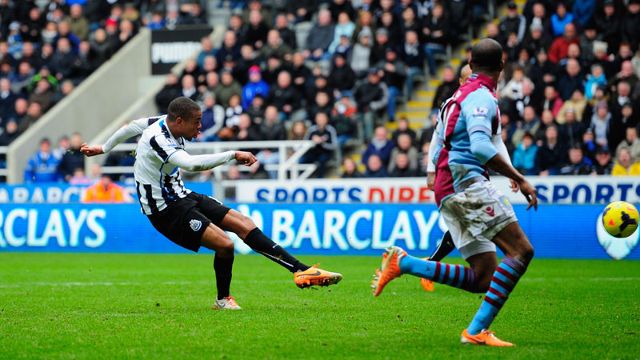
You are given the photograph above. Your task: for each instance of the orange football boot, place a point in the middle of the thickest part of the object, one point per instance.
(427, 285)
(389, 270)
(485, 337)
(314, 276)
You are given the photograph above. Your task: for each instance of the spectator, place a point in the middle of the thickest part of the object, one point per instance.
(341, 77)
(361, 53)
(403, 128)
(402, 167)
(344, 27)
(342, 119)
(594, 80)
(63, 59)
(571, 81)
(43, 95)
(578, 164)
(371, 97)
(379, 145)
(275, 47)
(380, 46)
(9, 133)
(551, 155)
(288, 36)
(350, 169)
(105, 191)
(589, 145)
(300, 72)
(79, 25)
(572, 130)
(321, 104)
(444, 91)
(72, 158)
(283, 95)
(256, 34)
(631, 142)
(213, 118)
(43, 166)
(560, 19)
(298, 130)
(625, 166)
(233, 111)
(230, 48)
(560, 46)
(246, 130)
(7, 98)
(405, 146)
(320, 37)
(169, 91)
(375, 167)
(631, 23)
(394, 77)
(530, 125)
(552, 100)
(603, 164)
(206, 50)
(601, 123)
(413, 57)
(34, 112)
(514, 22)
(101, 46)
(583, 11)
(524, 157)
(256, 86)
(609, 24)
(577, 104)
(324, 137)
(227, 88)
(435, 30)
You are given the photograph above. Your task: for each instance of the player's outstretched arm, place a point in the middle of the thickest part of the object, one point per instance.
(184, 160)
(134, 128)
(502, 150)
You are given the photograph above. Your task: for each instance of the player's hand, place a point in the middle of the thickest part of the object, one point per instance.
(514, 186)
(431, 179)
(91, 150)
(245, 158)
(530, 194)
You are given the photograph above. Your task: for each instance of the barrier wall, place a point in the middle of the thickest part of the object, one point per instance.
(557, 231)
(554, 189)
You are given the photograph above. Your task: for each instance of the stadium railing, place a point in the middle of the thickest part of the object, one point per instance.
(289, 154)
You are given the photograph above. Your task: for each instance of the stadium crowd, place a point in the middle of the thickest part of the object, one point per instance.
(568, 94)
(334, 71)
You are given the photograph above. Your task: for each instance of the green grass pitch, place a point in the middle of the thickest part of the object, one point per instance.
(60, 306)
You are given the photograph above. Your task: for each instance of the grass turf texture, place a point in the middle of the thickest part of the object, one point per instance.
(158, 306)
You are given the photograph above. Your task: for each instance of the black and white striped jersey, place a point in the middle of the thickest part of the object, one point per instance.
(158, 182)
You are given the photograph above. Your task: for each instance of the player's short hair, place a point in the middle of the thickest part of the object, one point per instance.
(181, 107)
(486, 55)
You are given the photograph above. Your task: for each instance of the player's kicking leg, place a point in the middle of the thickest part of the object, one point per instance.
(303, 275)
(215, 239)
(445, 248)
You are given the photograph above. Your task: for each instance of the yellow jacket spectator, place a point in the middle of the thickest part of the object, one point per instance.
(105, 191)
(624, 166)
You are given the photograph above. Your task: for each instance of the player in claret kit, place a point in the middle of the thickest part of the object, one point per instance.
(190, 219)
(478, 216)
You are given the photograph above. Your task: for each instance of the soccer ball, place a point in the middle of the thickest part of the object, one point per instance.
(620, 219)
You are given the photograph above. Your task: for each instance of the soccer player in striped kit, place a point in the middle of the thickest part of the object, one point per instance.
(189, 219)
(478, 216)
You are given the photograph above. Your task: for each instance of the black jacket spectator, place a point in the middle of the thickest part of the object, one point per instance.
(341, 76)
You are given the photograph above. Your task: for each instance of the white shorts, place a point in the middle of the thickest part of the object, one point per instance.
(475, 215)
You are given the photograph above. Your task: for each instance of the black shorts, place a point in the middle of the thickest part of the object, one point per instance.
(185, 220)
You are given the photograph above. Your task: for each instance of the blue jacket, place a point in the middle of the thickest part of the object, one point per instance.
(525, 159)
(557, 24)
(252, 89)
(42, 168)
(592, 84)
(384, 153)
